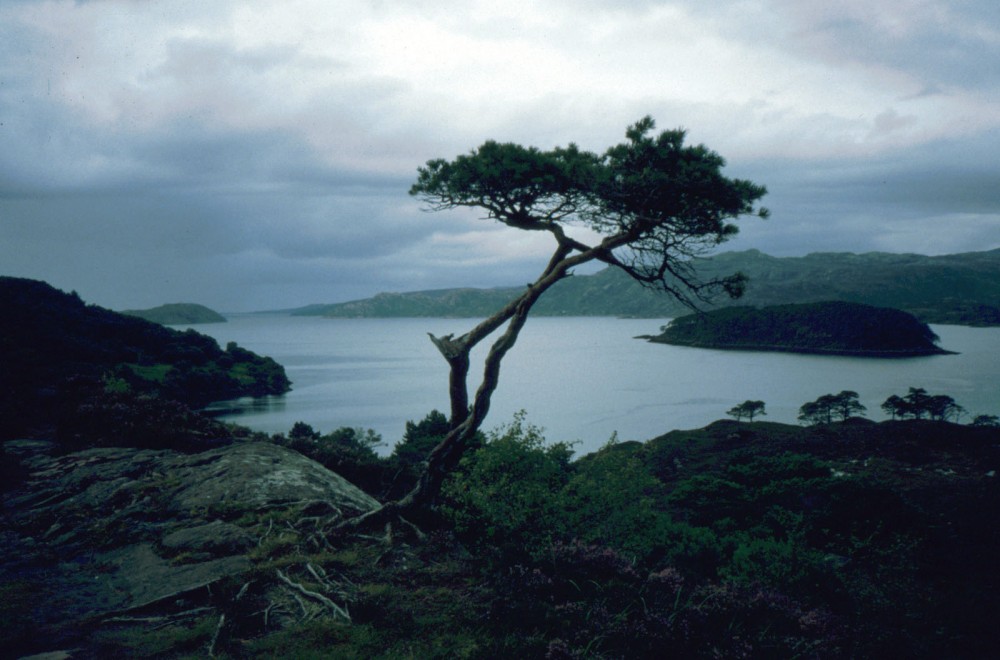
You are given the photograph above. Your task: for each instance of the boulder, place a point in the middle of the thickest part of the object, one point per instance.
(216, 538)
(106, 531)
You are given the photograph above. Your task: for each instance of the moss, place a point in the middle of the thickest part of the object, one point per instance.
(143, 640)
(156, 373)
(189, 558)
(275, 546)
(17, 600)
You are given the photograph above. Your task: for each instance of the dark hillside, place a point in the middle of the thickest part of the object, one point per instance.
(847, 540)
(889, 525)
(955, 288)
(54, 346)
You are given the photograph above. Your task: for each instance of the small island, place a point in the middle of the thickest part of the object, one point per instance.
(823, 328)
(178, 314)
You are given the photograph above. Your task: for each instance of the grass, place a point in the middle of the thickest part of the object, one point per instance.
(185, 639)
(156, 373)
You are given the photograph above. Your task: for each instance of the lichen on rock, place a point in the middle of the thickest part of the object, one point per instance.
(116, 530)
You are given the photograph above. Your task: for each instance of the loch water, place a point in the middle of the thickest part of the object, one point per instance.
(580, 378)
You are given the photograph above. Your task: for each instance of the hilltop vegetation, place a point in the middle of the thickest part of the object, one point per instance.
(178, 314)
(57, 352)
(829, 328)
(961, 289)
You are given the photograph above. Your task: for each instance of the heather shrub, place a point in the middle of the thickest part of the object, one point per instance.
(588, 600)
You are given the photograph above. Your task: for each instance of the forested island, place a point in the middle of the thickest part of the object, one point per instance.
(825, 328)
(178, 314)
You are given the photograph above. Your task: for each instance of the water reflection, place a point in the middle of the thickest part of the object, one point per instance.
(247, 405)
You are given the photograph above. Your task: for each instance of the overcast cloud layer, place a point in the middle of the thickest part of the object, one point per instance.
(257, 155)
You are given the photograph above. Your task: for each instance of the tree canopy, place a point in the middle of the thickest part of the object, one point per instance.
(748, 409)
(829, 407)
(918, 403)
(654, 202)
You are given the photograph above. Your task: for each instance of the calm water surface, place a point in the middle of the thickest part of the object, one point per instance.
(582, 378)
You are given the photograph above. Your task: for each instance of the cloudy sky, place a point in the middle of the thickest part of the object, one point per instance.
(257, 155)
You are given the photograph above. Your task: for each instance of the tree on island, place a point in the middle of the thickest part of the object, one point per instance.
(895, 406)
(986, 420)
(829, 407)
(918, 403)
(943, 407)
(748, 409)
(651, 203)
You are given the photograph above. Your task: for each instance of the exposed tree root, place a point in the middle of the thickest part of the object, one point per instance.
(336, 609)
(154, 622)
(216, 634)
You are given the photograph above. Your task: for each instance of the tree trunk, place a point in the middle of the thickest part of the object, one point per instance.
(456, 352)
(466, 420)
(446, 455)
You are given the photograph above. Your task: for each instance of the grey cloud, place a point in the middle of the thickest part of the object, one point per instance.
(943, 45)
(942, 176)
(136, 251)
(958, 48)
(233, 205)
(934, 198)
(213, 59)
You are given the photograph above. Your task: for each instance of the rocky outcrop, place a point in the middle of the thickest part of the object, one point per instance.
(111, 531)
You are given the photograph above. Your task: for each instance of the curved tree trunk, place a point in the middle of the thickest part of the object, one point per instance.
(457, 355)
(446, 455)
(466, 421)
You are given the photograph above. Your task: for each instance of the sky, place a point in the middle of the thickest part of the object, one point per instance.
(258, 155)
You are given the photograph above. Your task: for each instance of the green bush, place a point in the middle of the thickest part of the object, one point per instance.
(504, 497)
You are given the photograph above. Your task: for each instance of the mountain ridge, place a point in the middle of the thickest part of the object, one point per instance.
(959, 289)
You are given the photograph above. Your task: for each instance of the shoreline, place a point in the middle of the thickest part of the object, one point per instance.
(837, 352)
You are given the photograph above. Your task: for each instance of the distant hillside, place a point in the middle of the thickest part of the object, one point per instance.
(951, 289)
(56, 351)
(959, 289)
(178, 314)
(829, 328)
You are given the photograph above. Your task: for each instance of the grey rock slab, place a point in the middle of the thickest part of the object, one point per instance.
(115, 529)
(216, 537)
(145, 578)
(260, 475)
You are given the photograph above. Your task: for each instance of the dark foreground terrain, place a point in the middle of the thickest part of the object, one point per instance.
(852, 539)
